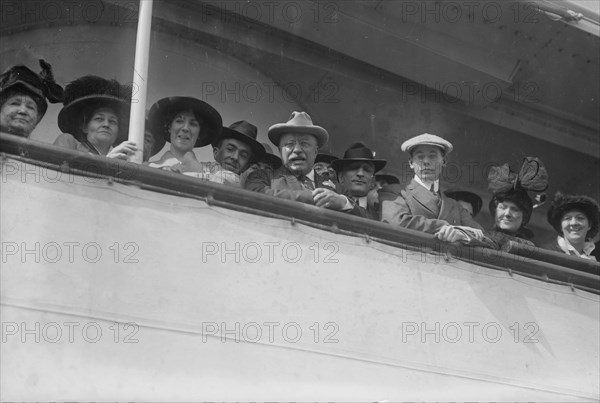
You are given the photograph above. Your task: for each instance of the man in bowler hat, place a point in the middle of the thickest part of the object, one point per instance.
(356, 175)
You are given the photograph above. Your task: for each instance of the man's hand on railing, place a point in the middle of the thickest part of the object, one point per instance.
(329, 199)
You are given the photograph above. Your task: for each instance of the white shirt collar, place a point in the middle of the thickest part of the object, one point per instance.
(436, 184)
(362, 201)
(311, 175)
(588, 248)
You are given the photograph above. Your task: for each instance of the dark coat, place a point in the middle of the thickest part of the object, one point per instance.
(417, 208)
(283, 184)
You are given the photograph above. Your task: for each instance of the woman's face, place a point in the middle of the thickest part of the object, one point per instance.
(575, 226)
(184, 131)
(19, 115)
(103, 128)
(509, 217)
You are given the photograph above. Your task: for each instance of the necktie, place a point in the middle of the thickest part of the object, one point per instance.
(432, 190)
(306, 182)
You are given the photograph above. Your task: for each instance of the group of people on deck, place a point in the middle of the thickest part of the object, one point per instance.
(94, 119)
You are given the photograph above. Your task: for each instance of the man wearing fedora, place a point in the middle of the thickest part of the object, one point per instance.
(236, 148)
(356, 175)
(23, 96)
(298, 141)
(421, 205)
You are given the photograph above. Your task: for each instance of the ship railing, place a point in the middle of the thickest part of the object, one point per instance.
(532, 262)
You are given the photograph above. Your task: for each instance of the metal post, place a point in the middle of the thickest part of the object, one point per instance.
(140, 79)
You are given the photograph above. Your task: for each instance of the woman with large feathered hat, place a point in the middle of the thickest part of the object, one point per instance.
(95, 117)
(511, 206)
(23, 97)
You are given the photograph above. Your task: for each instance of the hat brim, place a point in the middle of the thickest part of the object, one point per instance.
(273, 160)
(30, 89)
(70, 117)
(326, 158)
(443, 147)
(162, 113)
(339, 163)
(469, 197)
(278, 130)
(258, 151)
(390, 179)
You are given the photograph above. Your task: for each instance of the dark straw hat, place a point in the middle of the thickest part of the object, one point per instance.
(89, 93)
(358, 152)
(40, 86)
(245, 132)
(163, 112)
(564, 203)
(469, 197)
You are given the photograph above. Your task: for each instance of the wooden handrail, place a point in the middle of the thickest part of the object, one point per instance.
(534, 262)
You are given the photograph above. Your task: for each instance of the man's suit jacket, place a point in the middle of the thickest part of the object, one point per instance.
(414, 207)
(281, 183)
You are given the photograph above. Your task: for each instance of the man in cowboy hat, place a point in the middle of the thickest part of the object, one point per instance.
(299, 142)
(356, 175)
(23, 96)
(420, 205)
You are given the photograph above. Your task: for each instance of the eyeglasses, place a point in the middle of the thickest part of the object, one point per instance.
(304, 145)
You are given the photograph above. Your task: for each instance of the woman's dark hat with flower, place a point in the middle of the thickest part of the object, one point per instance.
(89, 93)
(163, 112)
(40, 86)
(564, 203)
(510, 183)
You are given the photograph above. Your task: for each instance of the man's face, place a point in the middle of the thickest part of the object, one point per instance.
(148, 145)
(298, 152)
(467, 206)
(427, 162)
(357, 177)
(19, 115)
(233, 155)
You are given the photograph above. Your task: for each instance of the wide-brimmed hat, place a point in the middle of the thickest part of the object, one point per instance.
(564, 203)
(245, 132)
(389, 178)
(41, 86)
(299, 122)
(358, 152)
(469, 197)
(427, 139)
(163, 111)
(270, 157)
(88, 93)
(325, 157)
